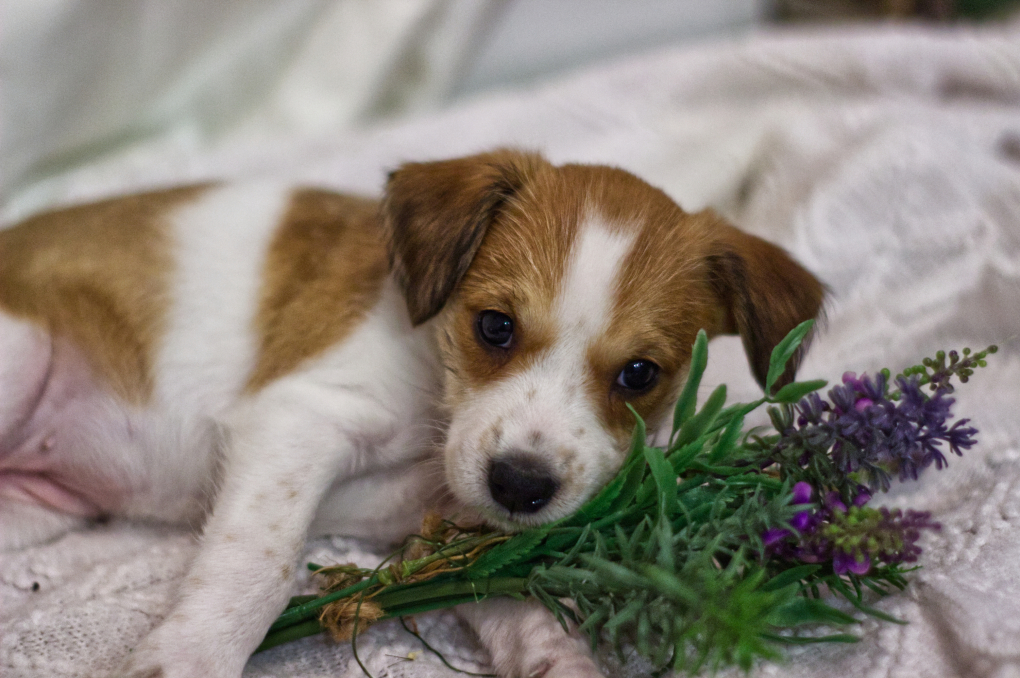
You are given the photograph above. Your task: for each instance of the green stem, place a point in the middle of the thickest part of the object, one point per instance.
(427, 591)
(295, 632)
(456, 548)
(308, 607)
(300, 600)
(308, 610)
(413, 599)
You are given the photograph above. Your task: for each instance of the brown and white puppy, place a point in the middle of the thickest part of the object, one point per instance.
(277, 361)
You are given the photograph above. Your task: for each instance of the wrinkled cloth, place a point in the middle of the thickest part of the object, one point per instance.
(886, 160)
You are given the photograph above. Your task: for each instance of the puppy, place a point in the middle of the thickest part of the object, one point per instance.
(276, 362)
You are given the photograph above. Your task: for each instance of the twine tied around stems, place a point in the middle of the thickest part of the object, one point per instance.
(340, 618)
(418, 563)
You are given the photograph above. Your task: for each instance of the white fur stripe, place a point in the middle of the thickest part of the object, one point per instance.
(589, 284)
(221, 243)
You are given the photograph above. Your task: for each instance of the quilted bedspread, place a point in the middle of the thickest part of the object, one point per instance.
(886, 160)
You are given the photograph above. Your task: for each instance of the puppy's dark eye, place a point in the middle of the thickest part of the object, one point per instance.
(495, 328)
(638, 375)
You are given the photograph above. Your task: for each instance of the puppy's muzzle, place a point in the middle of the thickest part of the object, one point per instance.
(521, 483)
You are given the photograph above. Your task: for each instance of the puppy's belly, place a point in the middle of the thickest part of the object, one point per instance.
(59, 451)
(69, 445)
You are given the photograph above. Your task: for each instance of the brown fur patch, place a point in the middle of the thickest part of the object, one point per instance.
(765, 293)
(517, 270)
(324, 271)
(436, 215)
(661, 298)
(97, 274)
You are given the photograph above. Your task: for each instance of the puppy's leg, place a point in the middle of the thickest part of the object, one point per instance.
(284, 450)
(526, 641)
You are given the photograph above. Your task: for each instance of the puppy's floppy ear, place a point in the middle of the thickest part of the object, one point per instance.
(764, 295)
(436, 214)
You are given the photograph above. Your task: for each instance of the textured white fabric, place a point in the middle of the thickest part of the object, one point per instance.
(887, 161)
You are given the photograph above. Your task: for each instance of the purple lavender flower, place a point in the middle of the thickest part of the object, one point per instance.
(863, 496)
(834, 503)
(773, 536)
(865, 430)
(844, 562)
(802, 493)
(853, 539)
(802, 521)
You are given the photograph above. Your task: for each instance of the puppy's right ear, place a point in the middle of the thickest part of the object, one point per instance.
(436, 214)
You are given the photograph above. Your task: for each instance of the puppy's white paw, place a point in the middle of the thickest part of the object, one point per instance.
(526, 641)
(567, 665)
(171, 651)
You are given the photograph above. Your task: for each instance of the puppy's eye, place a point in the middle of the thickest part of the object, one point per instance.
(495, 328)
(638, 375)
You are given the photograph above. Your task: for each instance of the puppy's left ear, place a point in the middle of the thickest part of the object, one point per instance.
(436, 214)
(764, 295)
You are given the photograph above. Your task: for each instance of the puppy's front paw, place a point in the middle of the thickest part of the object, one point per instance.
(133, 670)
(566, 665)
(526, 641)
(172, 651)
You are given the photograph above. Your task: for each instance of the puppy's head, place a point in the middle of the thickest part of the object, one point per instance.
(560, 295)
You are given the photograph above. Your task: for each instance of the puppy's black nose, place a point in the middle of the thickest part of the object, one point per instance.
(521, 483)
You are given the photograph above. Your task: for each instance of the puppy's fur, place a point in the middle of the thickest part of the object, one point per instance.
(277, 361)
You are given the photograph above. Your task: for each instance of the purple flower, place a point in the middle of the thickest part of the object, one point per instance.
(844, 562)
(773, 536)
(851, 539)
(802, 492)
(866, 431)
(834, 503)
(802, 521)
(863, 404)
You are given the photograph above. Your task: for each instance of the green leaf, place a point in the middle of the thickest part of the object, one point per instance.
(680, 459)
(689, 395)
(722, 470)
(622, 488)
(579, 544)
(837, 584)
(808, 611)
(728, 440)
(665, 479)
(615, 574)
(783, 351)
(664, 535)
(510, 551)
(639, 435)
(624, 616)
(669, 585)
(631, 485)
(790, 576)
(809, 640)
(699, 423)
(593, 620)
(796, 390)
(609, 499)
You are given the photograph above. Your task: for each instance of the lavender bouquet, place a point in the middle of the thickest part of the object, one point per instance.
(715, 549)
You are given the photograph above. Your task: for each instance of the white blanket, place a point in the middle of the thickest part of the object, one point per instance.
(888, 161)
